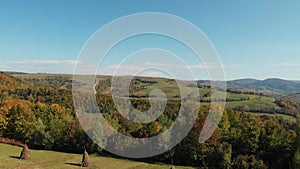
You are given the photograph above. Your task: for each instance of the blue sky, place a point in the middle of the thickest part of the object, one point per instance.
(254, 39)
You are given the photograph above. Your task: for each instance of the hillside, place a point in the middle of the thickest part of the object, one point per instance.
(46, 80)
(274, 86)
(295, 97)
(8, 81)
(243, 95)
(50, 159)
(44, 115)
(245, 81)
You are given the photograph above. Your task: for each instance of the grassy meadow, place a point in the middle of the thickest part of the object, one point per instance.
(57, 160)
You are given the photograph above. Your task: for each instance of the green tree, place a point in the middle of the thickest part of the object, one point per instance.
(296, 157)
(276, 144)
(244, 133)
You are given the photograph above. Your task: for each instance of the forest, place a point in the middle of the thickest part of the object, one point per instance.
(248, 136)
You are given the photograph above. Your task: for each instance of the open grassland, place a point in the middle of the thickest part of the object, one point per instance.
(41, 159)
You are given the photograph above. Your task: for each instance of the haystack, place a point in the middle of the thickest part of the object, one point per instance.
(85, 159)
(25, 154)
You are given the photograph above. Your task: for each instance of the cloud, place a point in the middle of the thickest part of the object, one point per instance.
(162, 69)
(40, 66)
(140, 70)
(154, 69)
(125, 67)
(285, 64)
(153, 64)
(5, 66)
(152, 73)
(200, 66)
(48, 62)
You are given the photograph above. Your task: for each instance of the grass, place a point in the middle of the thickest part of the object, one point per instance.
(283, 116)
(57, 160)
(170, 89)
(254, 104)
(250, 102)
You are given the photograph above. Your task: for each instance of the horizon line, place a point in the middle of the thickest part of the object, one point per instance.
(64, 73)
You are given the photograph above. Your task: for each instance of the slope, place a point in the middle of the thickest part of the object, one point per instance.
(50, 159)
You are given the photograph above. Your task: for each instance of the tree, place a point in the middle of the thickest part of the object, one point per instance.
(21, 121)
(248, 162)
(296, 157)
(244, 133)
(276, 144)
(225, 153)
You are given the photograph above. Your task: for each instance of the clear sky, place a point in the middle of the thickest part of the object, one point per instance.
(254, 39)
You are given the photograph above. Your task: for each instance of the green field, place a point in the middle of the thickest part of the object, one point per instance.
(241, 101)
(283, 116)
(57, 160)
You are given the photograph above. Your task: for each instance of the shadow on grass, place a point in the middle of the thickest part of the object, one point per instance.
(16, 157)
(74, 164)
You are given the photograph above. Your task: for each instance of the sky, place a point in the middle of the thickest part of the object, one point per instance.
(254, 39)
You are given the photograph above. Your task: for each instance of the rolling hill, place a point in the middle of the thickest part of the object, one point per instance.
(242, 95)
(43, 108)
(8, 81)
(274, 87)
(295, 97)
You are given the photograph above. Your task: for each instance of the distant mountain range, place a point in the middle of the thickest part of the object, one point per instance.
(274, 87)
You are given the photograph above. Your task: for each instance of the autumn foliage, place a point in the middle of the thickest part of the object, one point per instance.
(45, 116)
(11, 142)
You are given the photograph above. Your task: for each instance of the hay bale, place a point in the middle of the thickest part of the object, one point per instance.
(25, 154)
(85, 159)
